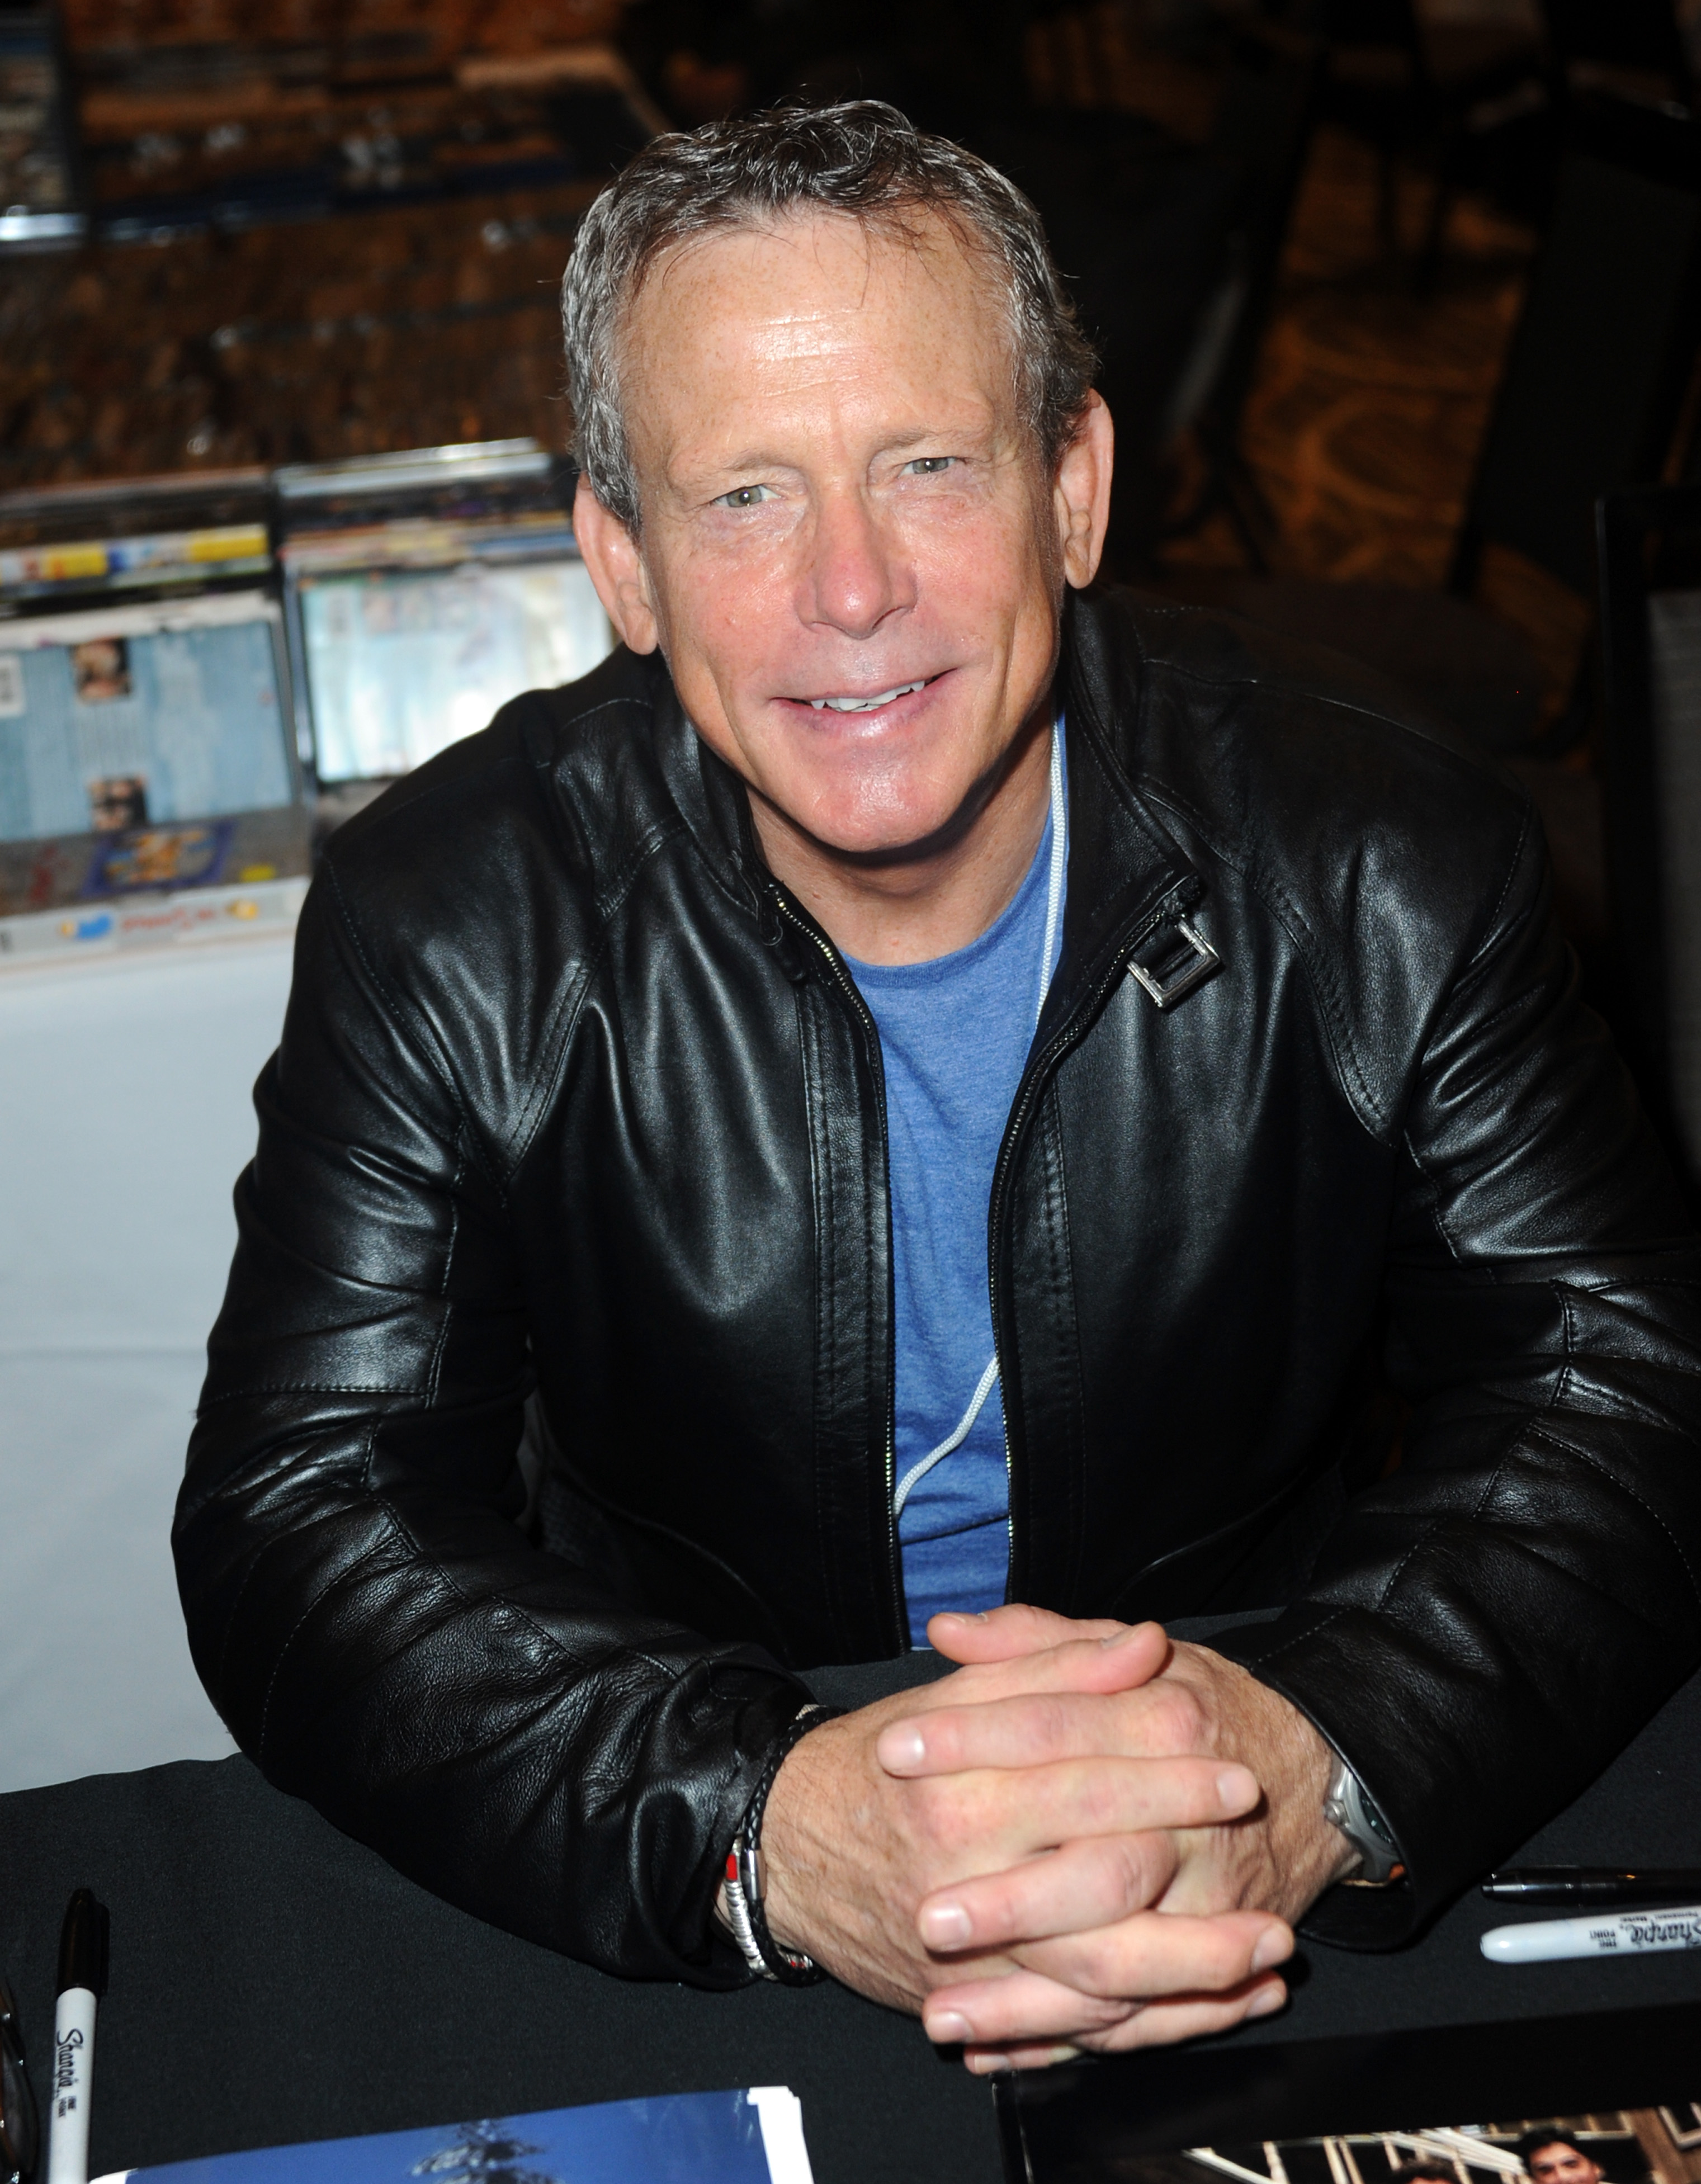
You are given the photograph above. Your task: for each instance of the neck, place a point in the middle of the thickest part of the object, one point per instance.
(930, 902)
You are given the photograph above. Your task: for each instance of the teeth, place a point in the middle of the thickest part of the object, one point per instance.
(866, 705)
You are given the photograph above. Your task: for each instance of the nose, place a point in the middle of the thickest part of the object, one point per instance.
(855, 578)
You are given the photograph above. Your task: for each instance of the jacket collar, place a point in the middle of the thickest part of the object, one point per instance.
(1129, 882)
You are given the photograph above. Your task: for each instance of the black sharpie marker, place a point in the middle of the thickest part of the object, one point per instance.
(1586, 1886)
(82, 1981)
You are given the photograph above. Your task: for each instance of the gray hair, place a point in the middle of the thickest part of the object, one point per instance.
(861, 158)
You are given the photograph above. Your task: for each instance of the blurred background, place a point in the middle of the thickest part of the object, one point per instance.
(1399, 305)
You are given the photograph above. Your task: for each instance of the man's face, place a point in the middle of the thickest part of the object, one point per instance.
(841, 504)
(1562, 2165)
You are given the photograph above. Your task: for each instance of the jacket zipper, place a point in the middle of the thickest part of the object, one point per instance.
(1028, 1092)
(847, 985)
(1034, 1078)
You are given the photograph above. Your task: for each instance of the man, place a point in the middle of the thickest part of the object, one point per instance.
(942, 1083)
(1555, 2157)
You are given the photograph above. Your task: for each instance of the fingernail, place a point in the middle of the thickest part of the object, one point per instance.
(1274, 1948)
(1267, 2002)
(946, 2029)
(902, 1747)
(947, 1926)
(1121, 1637)
(984, 2065)
(1237, 1787)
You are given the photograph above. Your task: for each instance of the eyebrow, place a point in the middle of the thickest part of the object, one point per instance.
(757, 458)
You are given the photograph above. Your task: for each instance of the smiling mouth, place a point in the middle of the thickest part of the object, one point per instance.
(866, 705)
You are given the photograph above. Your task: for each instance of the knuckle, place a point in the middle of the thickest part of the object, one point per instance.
(936, 1813)
(1099, 1963)
(1110, 2030)
(1045, 1723)
(944, 1735)
(1179, 1719)
(1135, 1866)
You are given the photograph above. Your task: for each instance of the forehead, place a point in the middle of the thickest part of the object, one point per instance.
(817, 303)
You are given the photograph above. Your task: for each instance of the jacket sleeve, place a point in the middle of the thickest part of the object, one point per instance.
(1492, 1623)
(362, 1605)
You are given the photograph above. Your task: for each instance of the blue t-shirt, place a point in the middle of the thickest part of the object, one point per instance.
(954, 1039)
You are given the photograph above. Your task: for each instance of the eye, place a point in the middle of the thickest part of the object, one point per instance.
(745, 496)
(930, 466)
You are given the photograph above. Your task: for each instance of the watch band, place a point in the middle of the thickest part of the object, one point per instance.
(1348, 1808)
(746, 1884)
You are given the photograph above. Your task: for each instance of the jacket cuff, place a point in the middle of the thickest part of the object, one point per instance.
(1342, 1673)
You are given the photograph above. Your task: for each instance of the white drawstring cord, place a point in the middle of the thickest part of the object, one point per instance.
(1054, 905)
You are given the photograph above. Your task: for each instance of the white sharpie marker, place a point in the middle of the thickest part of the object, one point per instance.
(1632, 1934)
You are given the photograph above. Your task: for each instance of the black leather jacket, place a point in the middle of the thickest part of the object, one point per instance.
(571, 1090)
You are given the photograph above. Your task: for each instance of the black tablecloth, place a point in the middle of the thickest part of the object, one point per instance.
(272, 1980)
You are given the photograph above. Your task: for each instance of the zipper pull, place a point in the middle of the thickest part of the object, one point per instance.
(773, 931)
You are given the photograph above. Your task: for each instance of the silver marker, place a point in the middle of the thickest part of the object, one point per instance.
(1632, 1934)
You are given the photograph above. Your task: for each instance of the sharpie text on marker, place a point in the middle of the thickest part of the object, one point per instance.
(1632, 1934)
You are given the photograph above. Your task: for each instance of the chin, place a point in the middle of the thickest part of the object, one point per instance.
(885, 833)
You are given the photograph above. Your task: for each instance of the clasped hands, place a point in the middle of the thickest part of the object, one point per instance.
(1088, 1837)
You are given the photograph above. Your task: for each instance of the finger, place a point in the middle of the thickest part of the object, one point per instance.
(1002, 1633)
(1091, 1883)
(1162, 1952)
(1151, 2024)
(1131, 1656)
(1161, 2023)
(1020, 2008)
(1035, 2055)
(1025, 2007)
(990, 1818)
(1159, 1720)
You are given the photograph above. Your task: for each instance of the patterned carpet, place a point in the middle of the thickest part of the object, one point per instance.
(433, 323)
(1370, 403)
(398, 328)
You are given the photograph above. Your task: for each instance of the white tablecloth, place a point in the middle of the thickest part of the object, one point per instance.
(124, 1118)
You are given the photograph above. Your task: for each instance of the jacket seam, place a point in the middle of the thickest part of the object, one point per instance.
(391, 1003)
(1530, 1426)
(1489, 935)
(434, 1370)
(1583, 1455)
(570, 1005)
(309, 1388)
(1437, 1218)
(307, 1614)
(1309, 692)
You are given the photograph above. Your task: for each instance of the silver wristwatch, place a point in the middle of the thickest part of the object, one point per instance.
(1347, 1807)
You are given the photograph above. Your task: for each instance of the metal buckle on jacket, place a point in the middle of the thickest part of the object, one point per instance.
(1167, 981)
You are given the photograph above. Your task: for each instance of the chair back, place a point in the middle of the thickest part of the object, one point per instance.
(1650, 589)
(1628, 34)
(1595, 377)
(1264, 129)
(1366, 22)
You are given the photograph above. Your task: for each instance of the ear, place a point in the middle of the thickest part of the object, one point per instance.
(1081, 494)
(617, 570)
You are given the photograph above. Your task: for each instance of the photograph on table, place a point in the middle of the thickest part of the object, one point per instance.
(1613, 2146)
(750, 2135)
